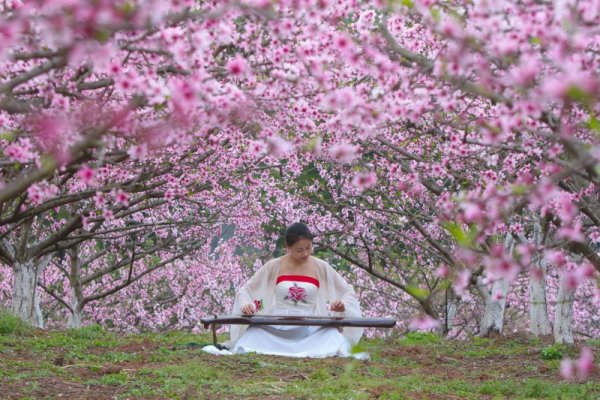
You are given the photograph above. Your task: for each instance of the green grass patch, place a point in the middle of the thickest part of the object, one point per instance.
(91, 332)
(172, 366)
(420, 338)
(553, 352)
(11, 324)
(536, 389)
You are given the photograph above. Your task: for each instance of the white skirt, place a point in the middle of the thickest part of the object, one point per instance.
(293, 341)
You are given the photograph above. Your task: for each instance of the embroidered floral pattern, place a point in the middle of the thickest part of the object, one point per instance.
(258, 304)
(296, 294)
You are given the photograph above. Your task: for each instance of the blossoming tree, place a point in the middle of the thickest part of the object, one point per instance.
(459, 138)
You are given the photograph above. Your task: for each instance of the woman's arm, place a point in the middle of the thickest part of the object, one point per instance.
(247, 293)
(348, 298)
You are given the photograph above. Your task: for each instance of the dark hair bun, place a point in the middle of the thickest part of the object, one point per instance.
(296, 232)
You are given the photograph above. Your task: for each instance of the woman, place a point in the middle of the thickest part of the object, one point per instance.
(296, 284)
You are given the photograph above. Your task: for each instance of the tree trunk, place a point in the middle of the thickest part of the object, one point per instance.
(451, 309)
(26, 302)
(76, 315)
(563, 319)
(76, 310)
(539, 323)
(492, 321)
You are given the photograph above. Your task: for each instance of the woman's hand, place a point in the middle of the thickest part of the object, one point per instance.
(337, 306)
(248, 309)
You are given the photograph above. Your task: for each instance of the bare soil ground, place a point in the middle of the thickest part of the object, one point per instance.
(143, 367)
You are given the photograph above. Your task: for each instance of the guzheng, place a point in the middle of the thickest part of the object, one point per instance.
(258, 319)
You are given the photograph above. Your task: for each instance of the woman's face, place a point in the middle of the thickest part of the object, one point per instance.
(301, 250)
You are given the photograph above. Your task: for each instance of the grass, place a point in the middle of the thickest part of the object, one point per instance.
(92, 363)
(553, 352)
(12, 325)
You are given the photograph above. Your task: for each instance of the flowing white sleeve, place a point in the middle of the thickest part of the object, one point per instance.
(255, 289)
(347, 295)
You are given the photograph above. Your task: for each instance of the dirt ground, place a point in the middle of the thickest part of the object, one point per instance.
(71, 384)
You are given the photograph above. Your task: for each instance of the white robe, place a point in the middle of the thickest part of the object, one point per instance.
(261, 287)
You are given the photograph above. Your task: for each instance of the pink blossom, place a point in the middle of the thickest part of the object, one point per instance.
(260, 3)
(237, 66)
(115, 68)
(172, 35)
(555, 151)
(585, 81)
(169, 194)
(86, 174)
(556, 257)
(251, 180)
(505, 46)
(278, 146)
(21, 151)
(525, 252)
(85, 222)
(467, 256)
(450, 27)
(442, 271)
(472, 211)
(529, 109)
(424, 323)
(544, 192)
(344, 152)
(498, 296)
(184, 98)
(364, 181)
(128, 81)
(256, 148)
(550, 168)
(580, 368)
(37, 193)
(567, 368)
(157, 92)
(51, 131)
(461, 283)
(516, 228)
(536, 273)
(502, 267)
(342, 42)
(526, 72)
(572, 279)
(571, 232)
(556, 87)
(416, 190)
(325, 71)
(108, 214)
(366, 21)
(566, 209)
(99, 200)
(492, 135)
(594, 236)
(585, 364)
(120, 197)
(342, 99)
(139, 152)
(34, 194)
(586, 271)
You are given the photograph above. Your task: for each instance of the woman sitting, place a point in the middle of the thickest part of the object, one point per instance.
(301, 285)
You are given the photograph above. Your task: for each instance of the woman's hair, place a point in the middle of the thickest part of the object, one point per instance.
(296, 232)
